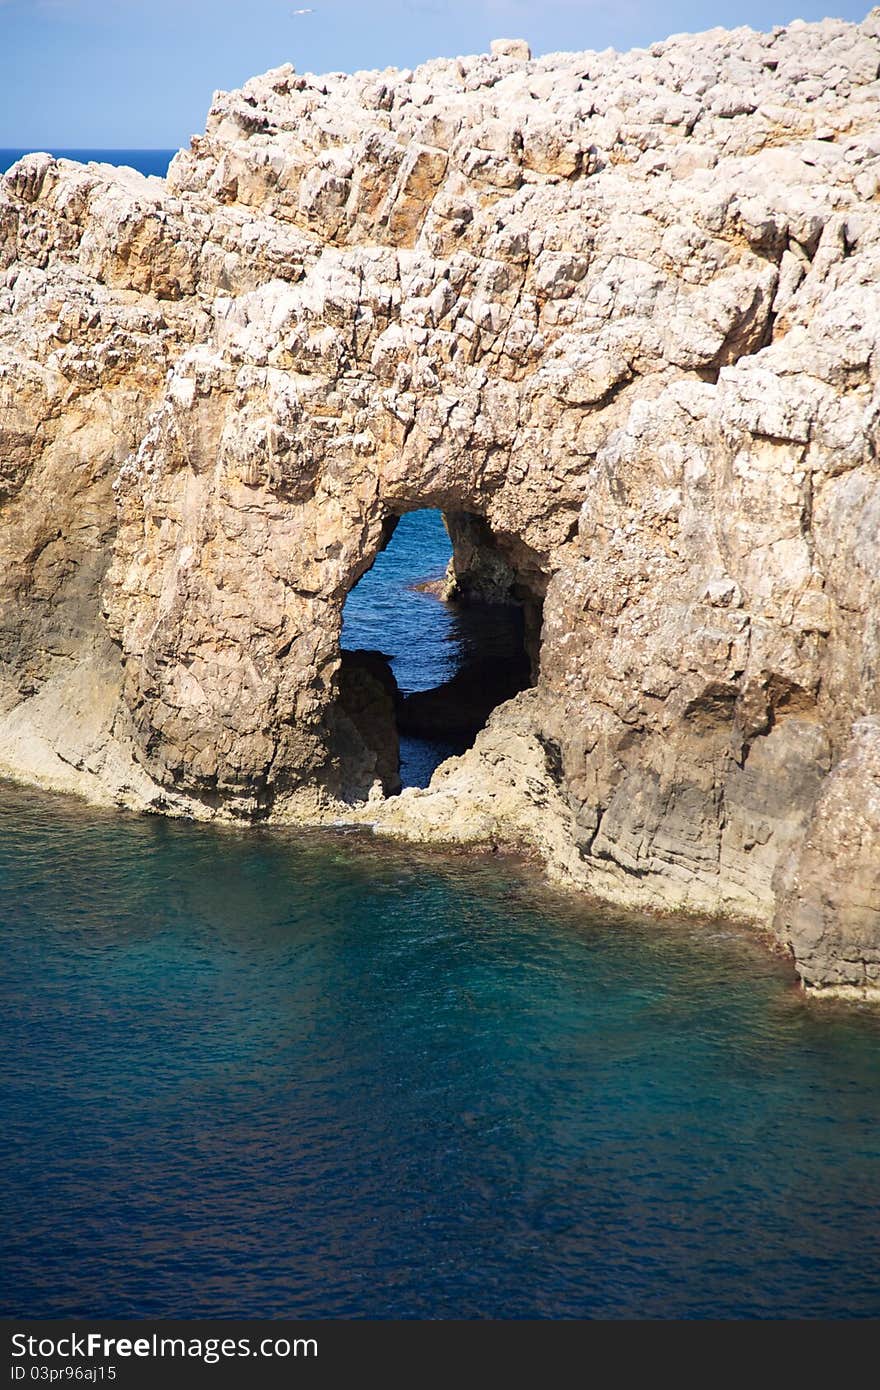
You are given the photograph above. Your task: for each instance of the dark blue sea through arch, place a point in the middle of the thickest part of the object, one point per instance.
(390, 610)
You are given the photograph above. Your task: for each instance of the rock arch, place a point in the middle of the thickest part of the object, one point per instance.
(632, 329)
(229, 578)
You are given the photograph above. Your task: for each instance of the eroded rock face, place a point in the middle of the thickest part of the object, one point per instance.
(622, 308)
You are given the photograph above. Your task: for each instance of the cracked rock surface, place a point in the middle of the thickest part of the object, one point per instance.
(622, 308)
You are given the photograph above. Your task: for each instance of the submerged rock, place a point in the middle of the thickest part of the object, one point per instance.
(622, 309)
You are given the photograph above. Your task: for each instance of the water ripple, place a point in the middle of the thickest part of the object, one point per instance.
(273, 1074)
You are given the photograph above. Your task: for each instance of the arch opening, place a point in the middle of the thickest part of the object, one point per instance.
(436, 633)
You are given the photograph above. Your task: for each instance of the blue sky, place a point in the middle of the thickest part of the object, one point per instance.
(140, 73)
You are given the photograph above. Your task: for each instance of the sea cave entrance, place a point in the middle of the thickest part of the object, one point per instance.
(435, 634)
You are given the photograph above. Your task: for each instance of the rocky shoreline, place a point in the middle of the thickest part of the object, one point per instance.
(616, 315)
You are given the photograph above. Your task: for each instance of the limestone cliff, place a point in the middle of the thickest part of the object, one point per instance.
(616, 314)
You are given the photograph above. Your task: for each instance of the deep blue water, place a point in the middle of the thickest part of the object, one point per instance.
(272, 1073)
(146, 161)
(385, 612)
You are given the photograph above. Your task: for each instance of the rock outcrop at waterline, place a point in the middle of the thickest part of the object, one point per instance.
(624, 310)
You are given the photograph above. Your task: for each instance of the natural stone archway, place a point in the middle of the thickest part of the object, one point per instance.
(622, 309)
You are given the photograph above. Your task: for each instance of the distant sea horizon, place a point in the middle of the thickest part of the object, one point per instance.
(149, 162)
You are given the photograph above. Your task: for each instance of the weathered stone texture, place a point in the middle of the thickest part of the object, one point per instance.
(624, 309)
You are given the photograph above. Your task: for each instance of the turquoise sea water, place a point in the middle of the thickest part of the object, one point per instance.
(271, 1073)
